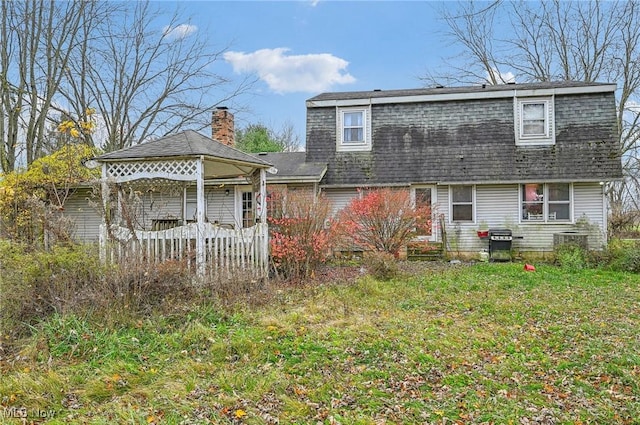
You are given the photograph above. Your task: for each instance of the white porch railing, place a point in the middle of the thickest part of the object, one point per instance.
(226, 250)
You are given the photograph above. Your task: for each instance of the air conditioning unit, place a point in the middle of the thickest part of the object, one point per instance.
(580, 239)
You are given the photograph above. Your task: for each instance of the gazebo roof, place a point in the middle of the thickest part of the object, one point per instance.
(186, 144)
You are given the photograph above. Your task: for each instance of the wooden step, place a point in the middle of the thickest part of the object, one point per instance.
(425, 252)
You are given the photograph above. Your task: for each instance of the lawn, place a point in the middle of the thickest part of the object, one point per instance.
(484, 343)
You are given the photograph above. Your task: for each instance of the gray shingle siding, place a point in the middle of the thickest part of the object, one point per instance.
(470, 141)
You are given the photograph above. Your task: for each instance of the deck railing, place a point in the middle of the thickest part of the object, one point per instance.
(226, 250)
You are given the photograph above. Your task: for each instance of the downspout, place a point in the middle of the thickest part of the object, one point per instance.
(263, 223)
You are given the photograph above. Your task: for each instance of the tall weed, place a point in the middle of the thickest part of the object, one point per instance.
(36, 284)
(625, 256)
(72, 280)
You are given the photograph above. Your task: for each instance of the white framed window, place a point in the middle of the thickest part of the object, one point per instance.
(534, 121)
(461, 204)
(353, 129)
(245, 206)
(248, 212)
(546, 203)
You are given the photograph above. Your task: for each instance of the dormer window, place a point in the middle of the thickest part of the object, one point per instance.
(353, 129)
(534, 121)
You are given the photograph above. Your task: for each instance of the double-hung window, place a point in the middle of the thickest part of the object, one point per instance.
(534, 121)
(461, 203)
(549, 202)
(353, 129)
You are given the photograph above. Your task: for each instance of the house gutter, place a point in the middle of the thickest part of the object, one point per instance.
(542, 180)
(360, 185)
(467, 182)
(480, 95)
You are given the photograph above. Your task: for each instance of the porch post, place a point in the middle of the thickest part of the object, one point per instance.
(200, 236)
(104, 233)
(263, 222)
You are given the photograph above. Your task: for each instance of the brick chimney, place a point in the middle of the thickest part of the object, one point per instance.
(222, 128)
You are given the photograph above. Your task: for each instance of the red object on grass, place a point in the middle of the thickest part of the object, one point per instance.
(529, 268)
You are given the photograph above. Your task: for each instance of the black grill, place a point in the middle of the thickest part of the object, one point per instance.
(500, 244)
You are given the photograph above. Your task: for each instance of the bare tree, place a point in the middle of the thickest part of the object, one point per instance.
(547, 41)
(551, 41)
(471, 27)
(147, 79)
(288, 137)
(36, 40)
(136, 71)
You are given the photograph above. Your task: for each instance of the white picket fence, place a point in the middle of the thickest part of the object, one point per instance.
(226, 250)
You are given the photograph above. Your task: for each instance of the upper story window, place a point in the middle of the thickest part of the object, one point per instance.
(534, 121)
(546, 202)
(353, 129)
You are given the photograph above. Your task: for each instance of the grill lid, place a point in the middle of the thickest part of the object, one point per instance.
(500, 232)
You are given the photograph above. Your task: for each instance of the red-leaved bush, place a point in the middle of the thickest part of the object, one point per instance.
(384, 220)
(299, 241)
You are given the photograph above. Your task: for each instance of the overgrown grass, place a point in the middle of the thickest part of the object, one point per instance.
(488, 343)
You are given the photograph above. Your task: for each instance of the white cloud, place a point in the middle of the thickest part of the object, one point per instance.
(501, 77)
(179, 31)
(292, 73)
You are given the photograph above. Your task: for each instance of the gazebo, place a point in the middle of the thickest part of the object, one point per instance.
(185, 159)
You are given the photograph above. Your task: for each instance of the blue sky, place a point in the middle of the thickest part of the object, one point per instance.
(299, 49)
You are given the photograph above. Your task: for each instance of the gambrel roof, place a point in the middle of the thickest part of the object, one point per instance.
(467, 135)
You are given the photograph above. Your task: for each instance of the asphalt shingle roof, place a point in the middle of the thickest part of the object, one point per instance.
(293, 165)
(188, 143)
(374, 94)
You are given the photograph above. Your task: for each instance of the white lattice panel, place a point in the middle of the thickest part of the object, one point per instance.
(179, 169)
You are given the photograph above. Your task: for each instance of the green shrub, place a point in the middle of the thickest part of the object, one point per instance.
(381, 265)
(571, 257)
(600, 258)
(625, 256)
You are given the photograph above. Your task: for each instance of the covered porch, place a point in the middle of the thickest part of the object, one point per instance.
(183, 162)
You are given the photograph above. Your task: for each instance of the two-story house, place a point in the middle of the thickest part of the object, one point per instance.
(534, 158)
